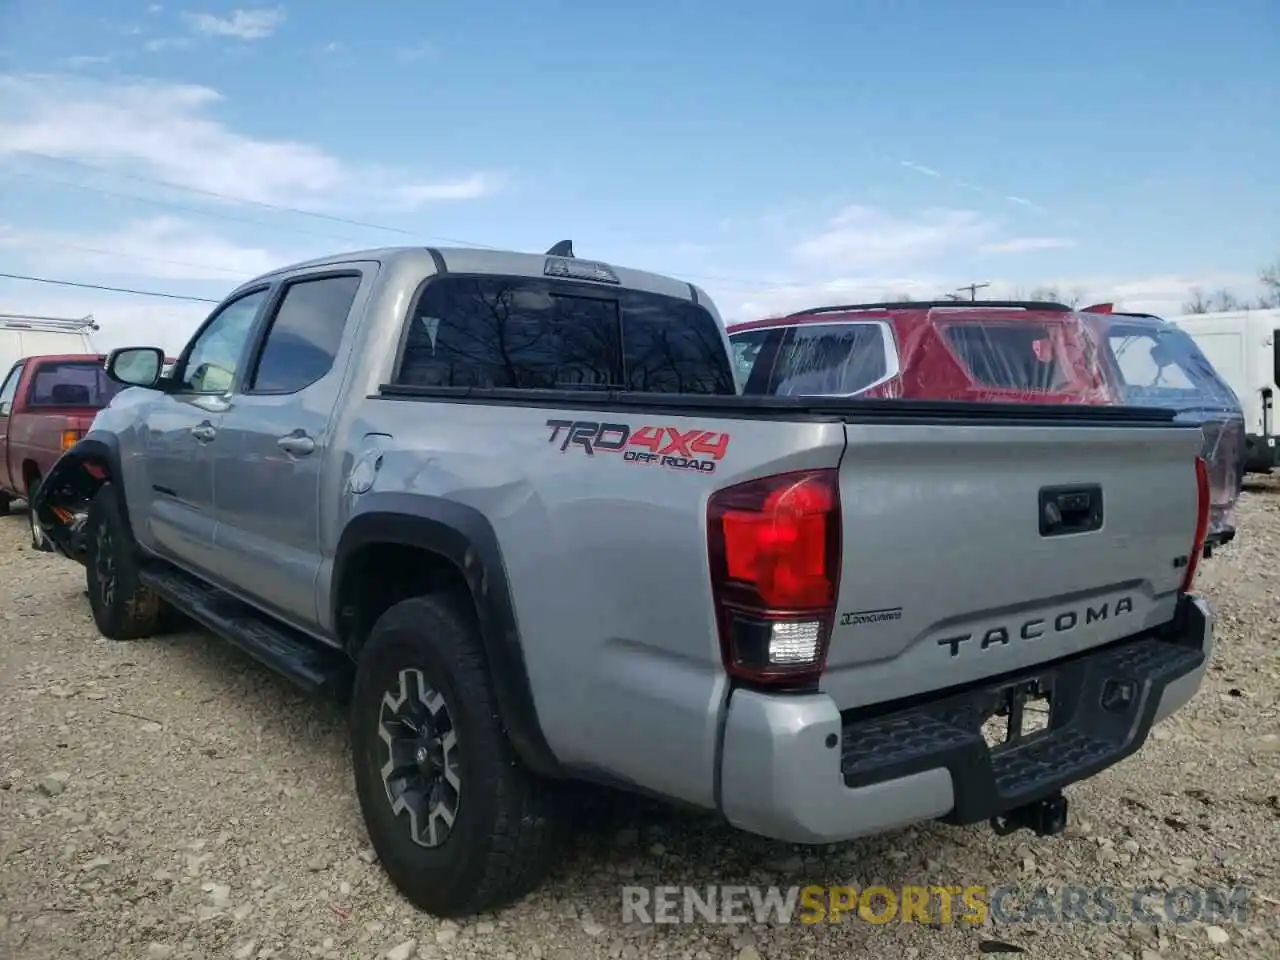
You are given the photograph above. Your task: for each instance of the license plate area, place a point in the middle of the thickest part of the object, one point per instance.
(1022, 713)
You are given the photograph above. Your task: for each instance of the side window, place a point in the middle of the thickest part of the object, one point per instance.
(303, 339)
(1144, 364)
(219, 349)
(746, 353)
(1008, 356)
(10, 389)
(831, 360)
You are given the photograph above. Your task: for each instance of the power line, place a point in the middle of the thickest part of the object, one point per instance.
(185, 207)
(756, 284)
(228, 198)
(99, 286)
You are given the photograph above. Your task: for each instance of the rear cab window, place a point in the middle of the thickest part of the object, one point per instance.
(816, 359)
(71, 383)
(546, 334)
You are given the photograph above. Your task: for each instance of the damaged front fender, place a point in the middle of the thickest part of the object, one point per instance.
(61, 504)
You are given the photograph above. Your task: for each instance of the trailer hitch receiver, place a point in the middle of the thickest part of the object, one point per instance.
(1044, 818)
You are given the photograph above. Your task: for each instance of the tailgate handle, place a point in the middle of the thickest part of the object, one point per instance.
(1064, 510)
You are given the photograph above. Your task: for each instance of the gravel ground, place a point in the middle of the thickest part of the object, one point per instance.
(170, 798)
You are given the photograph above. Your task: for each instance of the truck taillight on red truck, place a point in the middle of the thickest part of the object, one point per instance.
(1203, 504)
(775, 549)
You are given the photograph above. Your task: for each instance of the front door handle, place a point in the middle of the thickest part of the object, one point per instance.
(205, 432)
(297, 444)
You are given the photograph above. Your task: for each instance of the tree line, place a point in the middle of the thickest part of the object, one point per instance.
(1199, 301)
(1222, 300)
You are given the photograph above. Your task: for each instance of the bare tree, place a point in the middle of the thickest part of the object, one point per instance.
(1198, 303)
(1054, 295)
(1269, 277)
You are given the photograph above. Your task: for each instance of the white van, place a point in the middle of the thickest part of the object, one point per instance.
(22, 336)
(1241, 345)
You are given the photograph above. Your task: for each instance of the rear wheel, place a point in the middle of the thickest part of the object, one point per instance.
(123, 609)
(460, 825)
(5, 501)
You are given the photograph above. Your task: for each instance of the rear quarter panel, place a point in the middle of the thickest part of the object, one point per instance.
(607, 564)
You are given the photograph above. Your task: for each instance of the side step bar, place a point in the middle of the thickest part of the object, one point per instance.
(296, 656)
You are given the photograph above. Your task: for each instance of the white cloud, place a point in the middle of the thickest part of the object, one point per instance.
(87, 61)
(467, 188)
(422, 51)
(1028, 244)
(241, 24)
(920, 168)
(164, 248)
(863, 236)
(170, 131)
(158, 44)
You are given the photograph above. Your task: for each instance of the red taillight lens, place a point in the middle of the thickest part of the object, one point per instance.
(1202, 524)
(775, 561)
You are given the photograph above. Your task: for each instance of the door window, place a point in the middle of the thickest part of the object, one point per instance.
(305, 335)
(219, 348)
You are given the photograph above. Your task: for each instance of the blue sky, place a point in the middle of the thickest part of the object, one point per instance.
(780, 155)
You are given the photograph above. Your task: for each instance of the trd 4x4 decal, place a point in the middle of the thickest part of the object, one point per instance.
(666, 446)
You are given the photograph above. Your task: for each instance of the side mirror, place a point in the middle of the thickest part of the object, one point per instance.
(135, 366)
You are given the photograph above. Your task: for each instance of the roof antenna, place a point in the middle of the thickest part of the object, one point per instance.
(562, 249)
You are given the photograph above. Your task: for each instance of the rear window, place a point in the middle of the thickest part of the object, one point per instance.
(525, 333)
(1164, 367)
(71, 384)
(814, 360)
(1021, 356)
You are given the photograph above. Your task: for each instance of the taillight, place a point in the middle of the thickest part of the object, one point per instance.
(774, 546)
(1202, 524)
(69, 439)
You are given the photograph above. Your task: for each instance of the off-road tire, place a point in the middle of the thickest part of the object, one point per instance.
(509, 822)
(122, 608)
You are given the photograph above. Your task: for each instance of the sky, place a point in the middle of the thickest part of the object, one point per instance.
(779, 155)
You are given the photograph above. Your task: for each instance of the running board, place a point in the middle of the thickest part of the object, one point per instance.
(294, 655)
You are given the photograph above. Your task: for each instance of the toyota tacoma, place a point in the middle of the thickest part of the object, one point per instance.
(515, 510)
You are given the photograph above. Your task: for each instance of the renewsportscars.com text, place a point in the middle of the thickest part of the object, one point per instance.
(971, 905)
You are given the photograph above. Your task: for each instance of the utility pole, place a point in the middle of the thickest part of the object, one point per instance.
(973, 289)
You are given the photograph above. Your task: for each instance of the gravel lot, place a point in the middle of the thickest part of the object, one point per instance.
(170, 798)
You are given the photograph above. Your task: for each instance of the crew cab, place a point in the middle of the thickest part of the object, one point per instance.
(514, 508)
(46, 405)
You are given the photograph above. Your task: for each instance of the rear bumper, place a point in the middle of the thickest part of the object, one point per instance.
(794, 769)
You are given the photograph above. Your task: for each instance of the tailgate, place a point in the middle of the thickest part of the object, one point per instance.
(948, 573)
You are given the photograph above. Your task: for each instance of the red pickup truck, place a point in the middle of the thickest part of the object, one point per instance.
(46, 405)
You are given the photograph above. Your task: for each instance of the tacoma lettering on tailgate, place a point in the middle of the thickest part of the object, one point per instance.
(1034, 629)
(668, 447)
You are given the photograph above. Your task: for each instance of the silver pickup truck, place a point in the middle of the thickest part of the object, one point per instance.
(513, 507)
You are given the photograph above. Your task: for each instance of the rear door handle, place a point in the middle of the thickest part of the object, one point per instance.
(297, 444)
(205, 432)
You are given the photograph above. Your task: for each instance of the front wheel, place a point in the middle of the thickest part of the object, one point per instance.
(460, 825)
(122, 608)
